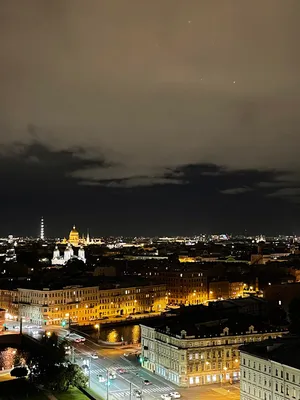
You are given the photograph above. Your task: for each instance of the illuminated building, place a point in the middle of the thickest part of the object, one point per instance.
(225, 290)
(86, 304)
(75, 240)
(203, 355)
(2, 318)
(57, 259)
(184, 287)
(270, 370)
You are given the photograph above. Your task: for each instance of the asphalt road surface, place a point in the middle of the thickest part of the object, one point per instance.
(111, 359)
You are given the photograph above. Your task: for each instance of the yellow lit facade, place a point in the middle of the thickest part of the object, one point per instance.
(189, 361)
(86, 304)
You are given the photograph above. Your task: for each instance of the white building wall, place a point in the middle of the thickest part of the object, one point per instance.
(263, 379)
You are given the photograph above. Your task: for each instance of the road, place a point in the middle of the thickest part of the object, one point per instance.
(123, 387)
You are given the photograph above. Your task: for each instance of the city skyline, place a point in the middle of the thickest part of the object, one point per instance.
(150, 119)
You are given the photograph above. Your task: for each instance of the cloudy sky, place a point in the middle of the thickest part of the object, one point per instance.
(150, 117)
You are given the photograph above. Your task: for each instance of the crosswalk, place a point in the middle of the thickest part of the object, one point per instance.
(114, 369)
(146, 390)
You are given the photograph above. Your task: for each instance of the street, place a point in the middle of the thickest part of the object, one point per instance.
(111, 359)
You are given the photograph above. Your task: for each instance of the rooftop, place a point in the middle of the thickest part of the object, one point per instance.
(285, 350)
(209, 324)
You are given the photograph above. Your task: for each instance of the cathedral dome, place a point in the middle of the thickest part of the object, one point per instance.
(74, 231)
(74, 236)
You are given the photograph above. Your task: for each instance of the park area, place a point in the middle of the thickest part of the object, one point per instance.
(22, 389)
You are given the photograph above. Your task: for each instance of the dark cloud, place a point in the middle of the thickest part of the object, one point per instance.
(291, 194)
(238, 190)
(128, 96)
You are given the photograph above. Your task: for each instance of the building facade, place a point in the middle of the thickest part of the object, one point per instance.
(82, 305)
(184, 287)
(225, 290)
(192, 361)
(270, 371)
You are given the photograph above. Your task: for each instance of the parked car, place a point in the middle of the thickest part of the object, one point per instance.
(94, 356)
(146, 382)
(112, 375)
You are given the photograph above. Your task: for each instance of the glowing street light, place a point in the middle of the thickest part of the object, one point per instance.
(97, 326)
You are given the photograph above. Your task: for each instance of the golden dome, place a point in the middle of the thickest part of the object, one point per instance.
(74, 231)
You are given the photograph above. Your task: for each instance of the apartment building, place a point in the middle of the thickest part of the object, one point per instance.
(188, 287)
(219, 290)
(205, 353)
(270, 370)
(82, 305)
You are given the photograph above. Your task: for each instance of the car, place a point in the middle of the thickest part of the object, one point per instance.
(137, 393)
(118, 316)
(95, 356)
(175, 395)
(146, 382)
(112, 375)
(121, 371)
(85, 369)
(129, 317)
(166, 397)
(101, 378)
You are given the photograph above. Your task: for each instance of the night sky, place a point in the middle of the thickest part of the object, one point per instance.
(143, 117)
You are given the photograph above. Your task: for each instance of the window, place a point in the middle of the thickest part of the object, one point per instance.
(244, 361)
(287, 391)
(281, 374)
(276, 372)
(254, 364)
(293, 378)
(287, 376)
(276, 387)
(294, 392)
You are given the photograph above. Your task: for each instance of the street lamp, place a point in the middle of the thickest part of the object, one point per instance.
(97, 326)
(69, 317)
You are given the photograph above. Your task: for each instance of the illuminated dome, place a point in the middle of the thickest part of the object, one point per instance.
(74, 230)
(74, 236)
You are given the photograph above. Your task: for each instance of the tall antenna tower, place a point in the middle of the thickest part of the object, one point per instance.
(42, 234)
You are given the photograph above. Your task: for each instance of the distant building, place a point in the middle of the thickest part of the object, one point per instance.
(86, 304)
(105, 271)
(184, 287)
(282, 294)
(2, 318)
(225, 290)
(58, 259)
(270, 370)
(205, 353)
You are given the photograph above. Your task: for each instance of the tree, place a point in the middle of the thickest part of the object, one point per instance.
(294, 315)
(60, 378)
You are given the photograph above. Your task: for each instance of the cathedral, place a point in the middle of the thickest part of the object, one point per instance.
(74, 241)
(59, 259)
